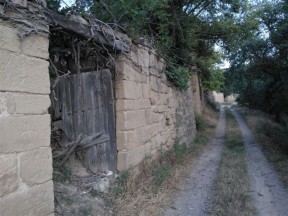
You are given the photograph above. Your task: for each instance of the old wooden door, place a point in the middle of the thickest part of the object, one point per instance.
(84, 104)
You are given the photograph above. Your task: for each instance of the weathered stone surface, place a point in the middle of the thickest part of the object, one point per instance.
(153, 117)
(127, 120)
(128, 90)
(130, 158)
(147, 124)
(127, 140)
(36, 45)
(126, 71)
(31, 104)
(38, 200)
(9, 39)
(23, 3)
(196, 97)
(143, 57)
(24, 133)
(146, 90)
(36, 166)
(8, 174)
(23, 74)
(126, 105)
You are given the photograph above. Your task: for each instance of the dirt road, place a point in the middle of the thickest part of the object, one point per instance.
(195, 193)
(269, 196)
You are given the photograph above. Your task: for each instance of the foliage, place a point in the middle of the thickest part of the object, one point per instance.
(259, 70)
(160, 173)
(184, 32)
(179, 76)
(200, 122)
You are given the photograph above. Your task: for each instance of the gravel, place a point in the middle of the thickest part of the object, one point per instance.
(194, 196)
(269, 195)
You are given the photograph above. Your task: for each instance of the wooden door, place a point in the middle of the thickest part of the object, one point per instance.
(85, 106)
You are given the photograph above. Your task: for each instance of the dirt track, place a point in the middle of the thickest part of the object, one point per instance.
(269, 196)
(268, 192)
(195, 193)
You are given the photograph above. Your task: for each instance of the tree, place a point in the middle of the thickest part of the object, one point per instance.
(259, 71)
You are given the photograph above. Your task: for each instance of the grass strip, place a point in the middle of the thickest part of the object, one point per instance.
(231, 192)
(150, 187)
(272, 138)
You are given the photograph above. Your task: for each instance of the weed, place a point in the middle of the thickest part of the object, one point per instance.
(214, 105)
(201, 139)
(85, 211)
(160, 173)
(94, 193)
(149, 187)
(62, 174)
(121, 184)
(272, 138)
(68, 200)
(200, 123)
(179, 151)
(231, 193)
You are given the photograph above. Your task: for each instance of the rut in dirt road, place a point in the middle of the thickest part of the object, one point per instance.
(268, 193)
(194, 198)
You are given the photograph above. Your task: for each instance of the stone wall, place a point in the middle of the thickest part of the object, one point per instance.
(216, 97)
(196, 93)
(26, 186)
(150, 113)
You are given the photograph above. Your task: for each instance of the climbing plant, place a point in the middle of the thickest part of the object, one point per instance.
(183, 31)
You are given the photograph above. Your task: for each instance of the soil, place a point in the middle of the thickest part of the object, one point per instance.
(267, 191)
(194, 197)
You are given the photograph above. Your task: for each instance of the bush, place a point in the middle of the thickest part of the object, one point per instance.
(179, 77)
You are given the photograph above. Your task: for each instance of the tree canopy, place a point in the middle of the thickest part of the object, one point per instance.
(183, 31)
(259, 65)
(253, 35)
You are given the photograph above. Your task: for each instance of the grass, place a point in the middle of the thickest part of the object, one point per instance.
(272, 138)
(151, 186)
(231, 193)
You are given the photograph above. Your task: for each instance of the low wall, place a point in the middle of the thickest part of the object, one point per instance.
(25, 155)
(151, 114)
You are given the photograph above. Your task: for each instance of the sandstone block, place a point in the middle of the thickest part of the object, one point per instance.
(36, 166)
(38, 200)
(152, 130)
(155, 73)
(146, 90)
(153, 117)
(152, 60)
(8, 174)
(126, 71)
(9, 39)
(24, 133)
(126, 105)
(130, 158)
(31, 104)
(36, 45)
(127, 120)
(128, 90)
(143, 57)
(23, 74)
(127, 140)
(160, 108)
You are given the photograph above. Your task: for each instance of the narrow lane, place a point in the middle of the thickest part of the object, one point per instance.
(269, 194)
(194, 197)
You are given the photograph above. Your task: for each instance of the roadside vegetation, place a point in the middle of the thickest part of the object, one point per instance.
(231, 191)
(272, 137)
(150, 187)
